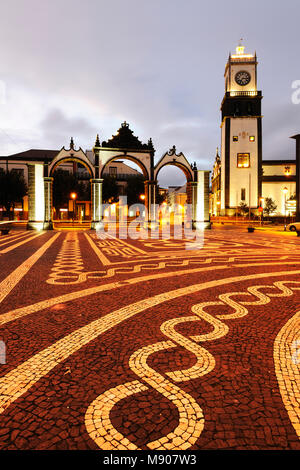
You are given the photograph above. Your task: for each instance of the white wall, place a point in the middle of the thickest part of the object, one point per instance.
(239, 177)
(273, 170)
(274, 191)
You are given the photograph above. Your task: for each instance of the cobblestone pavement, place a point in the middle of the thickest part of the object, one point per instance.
(149, 344)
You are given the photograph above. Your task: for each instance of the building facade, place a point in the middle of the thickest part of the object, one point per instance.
(240, 174)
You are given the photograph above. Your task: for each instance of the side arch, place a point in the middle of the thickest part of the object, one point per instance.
(178, 160)
(187, 171)
(53, 166)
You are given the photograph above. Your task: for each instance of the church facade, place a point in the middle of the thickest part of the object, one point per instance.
(240, 174)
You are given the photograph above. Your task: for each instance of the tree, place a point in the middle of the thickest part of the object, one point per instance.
(270, 206)
(135, 187)
(12, 189)
(64, 184)
(110, 188)
(244, 208)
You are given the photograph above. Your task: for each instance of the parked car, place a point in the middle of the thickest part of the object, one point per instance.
(293, 227)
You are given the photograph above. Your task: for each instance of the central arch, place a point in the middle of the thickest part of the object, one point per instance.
(131, 158)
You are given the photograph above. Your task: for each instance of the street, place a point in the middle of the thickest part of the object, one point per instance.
(122, 344)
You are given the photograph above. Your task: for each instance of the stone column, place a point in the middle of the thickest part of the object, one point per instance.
(48, 181)
(150, 201)
(96, 203)
(200, 200)
(36, 196)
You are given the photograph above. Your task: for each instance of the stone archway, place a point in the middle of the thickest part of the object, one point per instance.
(197, 185)
(122, 145)
(74, 156)
(40, 186)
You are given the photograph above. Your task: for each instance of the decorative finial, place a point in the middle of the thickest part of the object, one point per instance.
(72, 144)
(172, 150)
(125, 124)
(150, 144)
(97, 143)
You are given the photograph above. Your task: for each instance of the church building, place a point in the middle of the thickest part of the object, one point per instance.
(240, 174)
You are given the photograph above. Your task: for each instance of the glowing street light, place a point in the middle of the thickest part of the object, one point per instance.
(73, 196)
(142, 197)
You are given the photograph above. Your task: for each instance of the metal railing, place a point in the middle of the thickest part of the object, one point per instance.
(243, 93)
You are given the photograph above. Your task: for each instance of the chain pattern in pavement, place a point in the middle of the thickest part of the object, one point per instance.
(68, 262)
(67, 270)
(287, 367)
(191, 419)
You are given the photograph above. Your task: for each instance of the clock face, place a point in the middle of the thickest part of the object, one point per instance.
(242, 78)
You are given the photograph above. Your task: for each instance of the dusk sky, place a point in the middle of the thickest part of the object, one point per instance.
(74, 68)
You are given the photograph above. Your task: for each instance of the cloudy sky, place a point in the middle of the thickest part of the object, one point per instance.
(75, 68)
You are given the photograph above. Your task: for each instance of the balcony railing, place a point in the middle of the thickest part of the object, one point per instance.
(243, 93)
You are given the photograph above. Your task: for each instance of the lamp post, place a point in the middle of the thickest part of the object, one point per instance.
(73, 197)
(262, 201)
(285, 191)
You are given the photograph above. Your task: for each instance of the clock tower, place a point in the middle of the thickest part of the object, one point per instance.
(241, 134)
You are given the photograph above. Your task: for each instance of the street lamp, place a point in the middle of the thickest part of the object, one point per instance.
(73, 197)
(142, 197)
(285, 191)
(262, 202)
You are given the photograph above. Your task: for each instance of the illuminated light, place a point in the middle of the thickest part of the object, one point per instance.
(287, 171)
(63, 210)
(39, 225)
(244, 93)
(113, 209)
(39, 193)
(240, 49)
(73, 195)
(142, 197)
(252, 138)
(16, 209)
(285, 190)
(242, 56)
